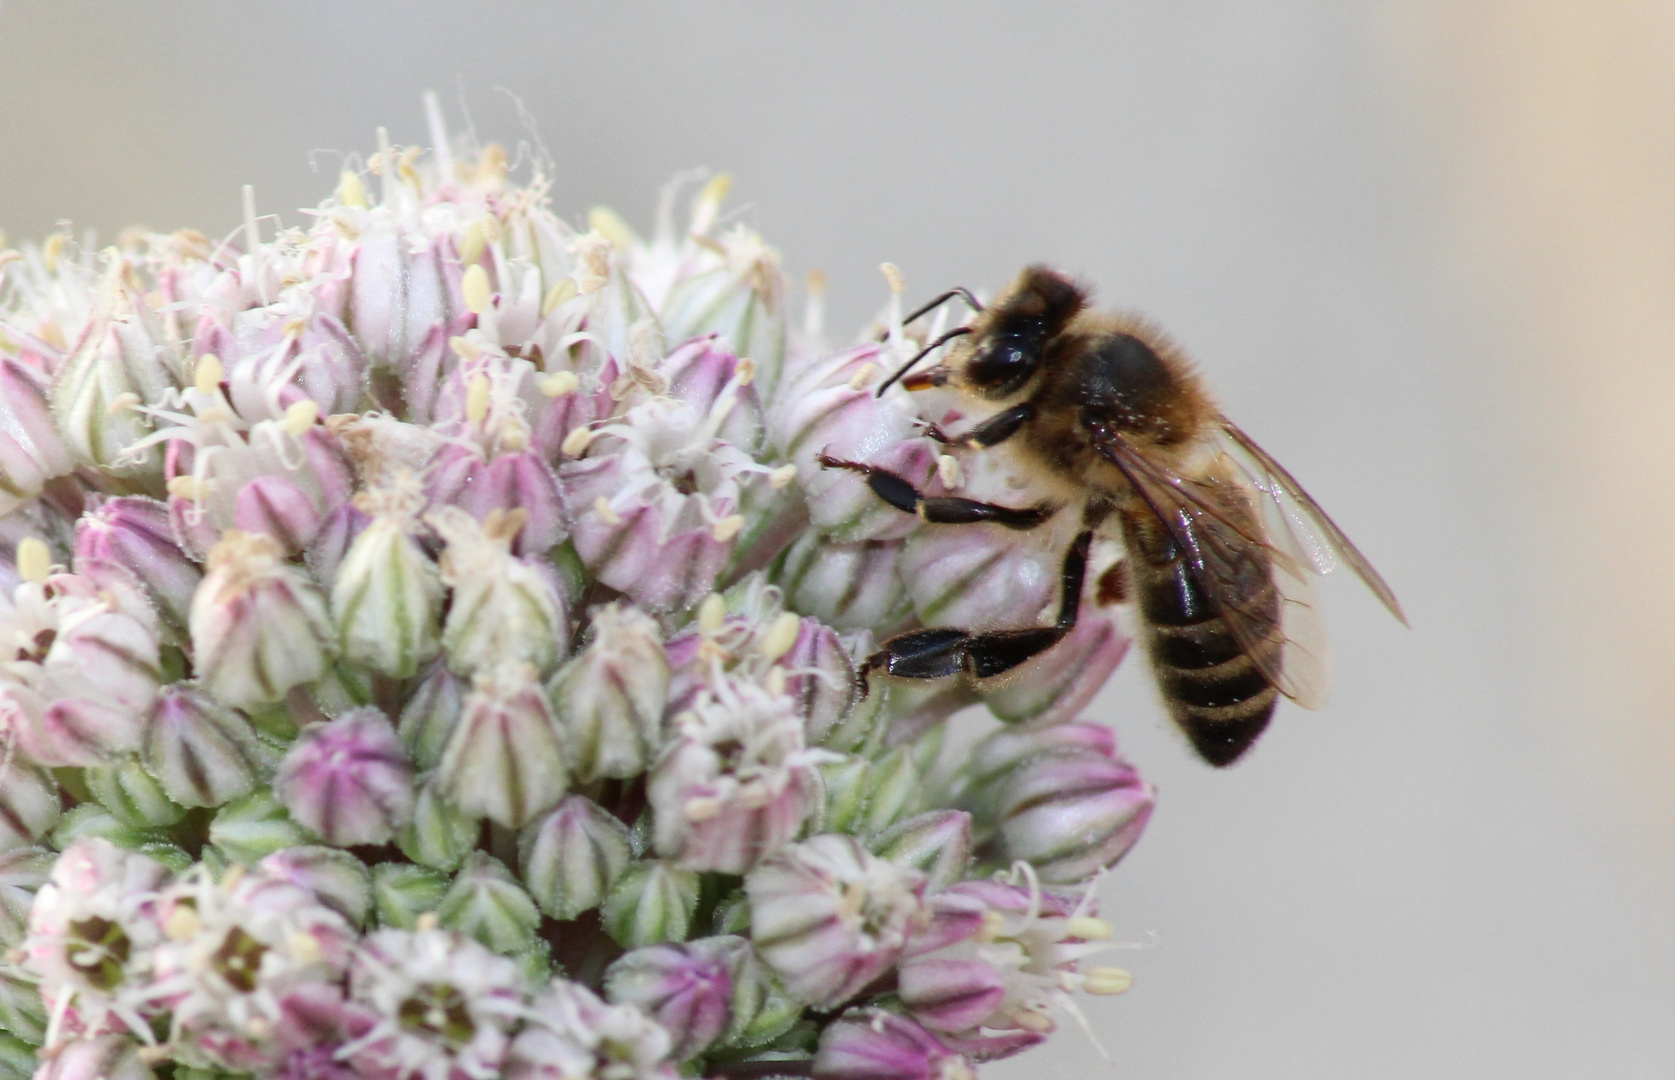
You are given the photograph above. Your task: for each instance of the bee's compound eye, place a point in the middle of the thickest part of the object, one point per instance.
(1006, 363)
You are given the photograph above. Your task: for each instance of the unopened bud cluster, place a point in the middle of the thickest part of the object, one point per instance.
(433, 649)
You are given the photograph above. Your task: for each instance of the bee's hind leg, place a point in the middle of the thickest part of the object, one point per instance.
(940, 650)
(900, 493)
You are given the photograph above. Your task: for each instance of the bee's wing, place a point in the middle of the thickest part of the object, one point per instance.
(1303, 519)
(1220, 547)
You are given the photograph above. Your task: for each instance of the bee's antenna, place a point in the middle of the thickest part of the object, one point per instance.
(959, 290)
(958, 331)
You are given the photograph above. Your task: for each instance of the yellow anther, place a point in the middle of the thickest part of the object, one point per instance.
(711, 613)
(1088, 928)
(427, 921)
(300, 416)
(465, 348)
(350, 190)
(514, 436)
(183, 923)
(863, 375)
(1033, 1021)
(295, 327)
(782, 634)
(477, 399)
(708, 203)
(775, 682)
(948, 471)
(701, 808)
(602, 507)
(607, 223)
(305, 947)
(994, 923)
(1106, 980)
(782, 476)
(185, 487)
(815, 283)
(475, 286)
(471, 245)
(576, 443)
(562, 292)
(34, 559)
(121, 403)
(745, 373)
(207, 378)
(892, 274)
(558, 384)
(51, 249)
(230, 880)
(727, 528)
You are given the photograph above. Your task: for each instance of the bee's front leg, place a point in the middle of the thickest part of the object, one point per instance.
(900, 493)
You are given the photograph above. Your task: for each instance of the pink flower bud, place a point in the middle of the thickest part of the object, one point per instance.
(276, 506)
(31, 450)
(460, 475)
(259, 625)
(571, 858)
(829, 918)
(347, 779)
(203, 753)
(872, 1044)
(505, 759)
(610, 697)
(848, 586)
(336, 878)
(82, 674)
(829, 408)
(687, 988)
(1072, 815)
(405, 288)
(134, 535)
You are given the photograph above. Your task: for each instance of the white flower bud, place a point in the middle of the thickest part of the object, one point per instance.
(386, 599)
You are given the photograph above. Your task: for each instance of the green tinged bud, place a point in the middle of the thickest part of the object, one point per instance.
(22, 871)
(571, 857)
(402, 893)
(652, 902)
(387, 598)
(937, 843)
(487, 903)
(29, 805)
(440, 835)
(254, 827)
(21, 1010)
(609, 700)
(132, 795)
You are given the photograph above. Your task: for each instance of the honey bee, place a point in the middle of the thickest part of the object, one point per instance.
(1219, 538)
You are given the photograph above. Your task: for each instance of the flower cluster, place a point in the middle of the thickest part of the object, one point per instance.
(432, 648)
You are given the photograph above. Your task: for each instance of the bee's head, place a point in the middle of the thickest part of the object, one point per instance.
(1011, 336)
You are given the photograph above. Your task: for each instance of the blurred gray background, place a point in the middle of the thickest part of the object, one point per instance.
(1424, 250)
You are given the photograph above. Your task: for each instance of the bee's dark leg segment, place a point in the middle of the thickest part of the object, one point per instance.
(1000, 427)
(940, 509)
(941, 650)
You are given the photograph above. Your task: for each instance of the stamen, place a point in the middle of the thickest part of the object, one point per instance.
(708, 203)
(727, 528)
(814, 309)
(711, 613)
(427, 921)
(122, 402)
(745, 373)
(774, 683)
(576, 443)
(471, 245)
(782, 476)
(475, 287)
(34, 559)
(558, 384)
(781, 635)
(1088, 928)
(182, 923)
(1106, 980)
(607, 223)
(300, 416)
(350, 191)
(948, 469)
(207, 378)
(562, 292)
(863, 375)
(602, 507)
(384, 166)
(477, 399)
(701, 808)
(439, 138)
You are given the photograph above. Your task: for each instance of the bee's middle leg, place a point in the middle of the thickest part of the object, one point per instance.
(900, 493)
(940, 650)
